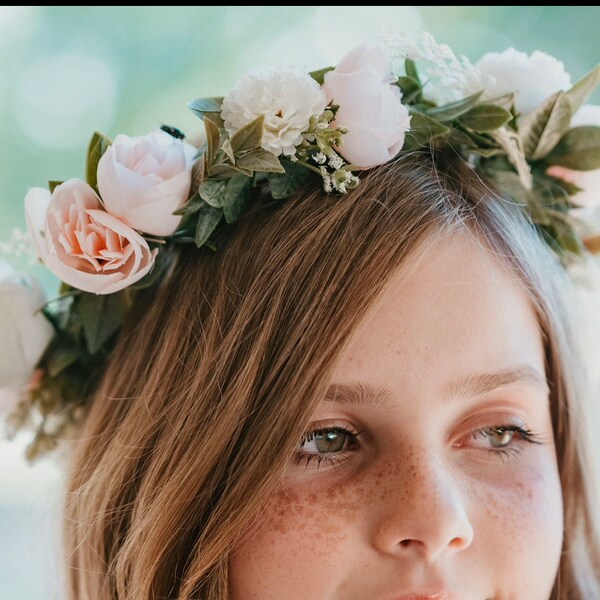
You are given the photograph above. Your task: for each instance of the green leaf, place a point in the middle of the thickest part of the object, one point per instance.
(509, 183)
(213, 141)
(569, 188)
(564, 232)
(319, 75)
(191, 207)
(163, 261)
(579, 149)
(452, 111)
(410, 88)
(208, 219)
(237, 197)
(260, 160)
(208, 108)
(99, 144)
(226, 147)
(410, 68)
(197, 174)
(485, 117)
(422, 130)
(101, 317)
(212, 191)
(52, 185)
(584, 88)
(457, 138)
(248, 137)
(223, 171)
(541, 129)
(61, 357)
(506, 101)
(283, 185)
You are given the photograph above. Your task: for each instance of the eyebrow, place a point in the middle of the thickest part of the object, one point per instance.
(362, 394)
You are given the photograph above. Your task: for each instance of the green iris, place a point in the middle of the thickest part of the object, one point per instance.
(502, 437)
(330, 441)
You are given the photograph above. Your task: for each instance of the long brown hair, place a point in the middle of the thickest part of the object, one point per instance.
(216, 375)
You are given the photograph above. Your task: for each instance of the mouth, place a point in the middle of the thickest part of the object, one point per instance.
(436, 596)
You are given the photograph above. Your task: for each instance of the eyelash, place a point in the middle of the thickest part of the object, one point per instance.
(338, 458)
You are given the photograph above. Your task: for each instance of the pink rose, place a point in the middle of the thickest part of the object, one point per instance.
(588, 181)
(81, 243)
(370, 107)
(143, 180)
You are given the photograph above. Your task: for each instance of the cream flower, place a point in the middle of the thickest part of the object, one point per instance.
(288, 98)
(24, 330)
(370, 107)
(534, 77)
(143, 180)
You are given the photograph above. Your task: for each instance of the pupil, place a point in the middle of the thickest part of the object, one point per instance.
(331, 441)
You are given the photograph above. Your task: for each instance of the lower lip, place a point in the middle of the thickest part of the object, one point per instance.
(442, 596)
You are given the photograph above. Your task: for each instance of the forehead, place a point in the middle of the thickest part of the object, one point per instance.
(452, 310)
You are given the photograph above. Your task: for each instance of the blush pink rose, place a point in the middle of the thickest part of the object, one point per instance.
(81, 243)
(369, 107)
(143, 180)
(588, 181)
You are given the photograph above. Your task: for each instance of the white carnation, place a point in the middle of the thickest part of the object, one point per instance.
(288, 98)
(534, 78)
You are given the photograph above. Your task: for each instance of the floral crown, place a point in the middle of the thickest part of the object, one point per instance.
(516, 119)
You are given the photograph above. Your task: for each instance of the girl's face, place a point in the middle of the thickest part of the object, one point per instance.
(429, 472)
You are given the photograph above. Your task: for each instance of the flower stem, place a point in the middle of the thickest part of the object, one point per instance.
(305, 164)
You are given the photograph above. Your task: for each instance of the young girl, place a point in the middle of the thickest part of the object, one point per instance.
(366, 395)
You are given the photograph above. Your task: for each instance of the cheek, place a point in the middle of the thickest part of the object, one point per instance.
(299, 546)
(520, 526)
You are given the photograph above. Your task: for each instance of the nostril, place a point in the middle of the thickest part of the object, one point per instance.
(409, 542)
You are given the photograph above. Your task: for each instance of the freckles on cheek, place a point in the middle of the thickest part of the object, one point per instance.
(312, 522)
(524, 516)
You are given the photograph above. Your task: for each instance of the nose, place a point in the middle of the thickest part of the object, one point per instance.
(422, 513)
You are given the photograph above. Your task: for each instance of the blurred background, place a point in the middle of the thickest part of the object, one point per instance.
(67, 71)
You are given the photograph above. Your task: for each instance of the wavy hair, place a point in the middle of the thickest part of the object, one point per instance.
(237, 347)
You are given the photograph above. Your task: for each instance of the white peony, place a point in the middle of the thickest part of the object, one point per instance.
(285, 96)
(24, 330)
(534, 77)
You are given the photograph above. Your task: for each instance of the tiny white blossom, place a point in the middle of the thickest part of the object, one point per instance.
(287, 98)
(19, 244)
(319, 158)
(336, 161)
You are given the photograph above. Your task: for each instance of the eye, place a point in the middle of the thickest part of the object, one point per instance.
(324, 441)
(329, 445)
(507, 442)
(500, 437)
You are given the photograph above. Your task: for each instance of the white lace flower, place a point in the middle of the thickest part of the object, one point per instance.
(534, 77)
(287, 98)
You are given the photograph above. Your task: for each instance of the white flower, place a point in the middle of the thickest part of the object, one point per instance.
(143, 180)
(24, 330)
(369, 107)
(534, 77)
(288, 98)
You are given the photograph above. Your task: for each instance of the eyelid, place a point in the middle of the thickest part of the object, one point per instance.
(505, 415)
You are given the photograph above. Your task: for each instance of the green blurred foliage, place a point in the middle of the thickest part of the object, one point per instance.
(66, 71)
